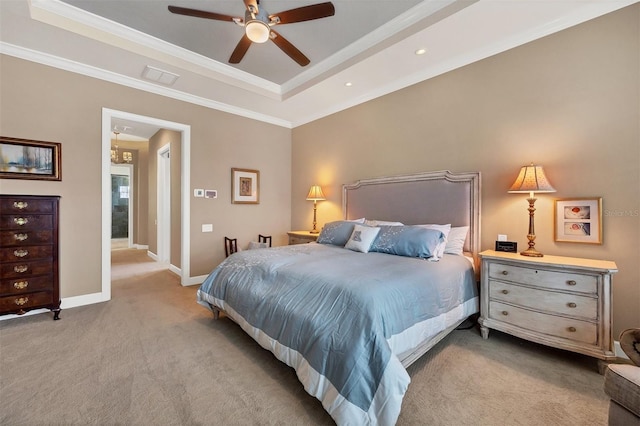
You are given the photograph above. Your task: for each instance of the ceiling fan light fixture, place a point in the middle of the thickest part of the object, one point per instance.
(257, 31)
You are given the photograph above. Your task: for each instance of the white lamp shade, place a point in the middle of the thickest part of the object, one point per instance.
(531, 179)
(315, 194)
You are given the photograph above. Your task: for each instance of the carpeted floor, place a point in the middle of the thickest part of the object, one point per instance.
(152, 356)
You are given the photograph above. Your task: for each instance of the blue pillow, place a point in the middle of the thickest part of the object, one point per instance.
(410, 241)
(336, 233)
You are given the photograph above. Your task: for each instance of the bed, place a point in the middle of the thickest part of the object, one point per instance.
(350, 320)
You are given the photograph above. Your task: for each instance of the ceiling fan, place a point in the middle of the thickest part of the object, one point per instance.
(258, 25)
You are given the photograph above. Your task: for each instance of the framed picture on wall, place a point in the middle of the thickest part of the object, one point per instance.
(578, 220)
(245, 186)
(28, 159)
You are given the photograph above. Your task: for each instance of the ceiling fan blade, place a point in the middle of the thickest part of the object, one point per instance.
(289, 49)
(240, 50)
(305, 13)
(201, 14)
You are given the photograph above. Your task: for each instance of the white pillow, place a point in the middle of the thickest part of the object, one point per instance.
(445, 229)
(361, 238)
(361, 220)
(371, 222)
(456, 239)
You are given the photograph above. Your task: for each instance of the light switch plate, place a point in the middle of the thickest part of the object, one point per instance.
(207, 227)
(211, 193)
(198, 193)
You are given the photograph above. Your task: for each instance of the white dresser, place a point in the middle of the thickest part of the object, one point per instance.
(562, 302)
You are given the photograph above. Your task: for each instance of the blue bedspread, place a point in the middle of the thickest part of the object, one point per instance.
(329, 313)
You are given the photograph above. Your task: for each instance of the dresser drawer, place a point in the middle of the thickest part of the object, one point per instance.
(19, 238)
(565, 328)
(26, 285)
(25, 301)
(546, 278)
(23, 205)
(26, 221)
(574, 305)
(26, 269)
(17, 254)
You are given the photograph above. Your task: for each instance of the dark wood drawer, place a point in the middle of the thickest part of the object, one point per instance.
(26, 221)
(29, 237)
(24, 205)
(20, 302)
(18, 254)
(26, 285)
(26, 269)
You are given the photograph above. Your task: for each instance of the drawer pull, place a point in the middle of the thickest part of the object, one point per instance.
(20, 237)
(571, 305)
(20, 285)
(571, 282)
(20, 205)
(21, 252)
(20, 220)
(572, 329)
(505, 291)
(505, 313)
(505, 272)
(21, 268)
(21, 301)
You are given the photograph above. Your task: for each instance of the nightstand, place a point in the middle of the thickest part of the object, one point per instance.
(562, 302)
(301, 237)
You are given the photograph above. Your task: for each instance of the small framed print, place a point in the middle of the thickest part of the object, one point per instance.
(29, 159)
(245, 186)
(578, 220)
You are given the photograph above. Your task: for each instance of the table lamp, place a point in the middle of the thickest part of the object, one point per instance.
(531, 179)
(315, 195)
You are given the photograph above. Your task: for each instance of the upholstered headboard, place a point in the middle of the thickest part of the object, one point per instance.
(433, 197)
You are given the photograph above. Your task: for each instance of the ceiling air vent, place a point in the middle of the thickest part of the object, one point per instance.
(159, 76)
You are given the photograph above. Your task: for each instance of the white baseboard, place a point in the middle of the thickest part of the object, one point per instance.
(152, 255)
(194, 280)
(141, 246)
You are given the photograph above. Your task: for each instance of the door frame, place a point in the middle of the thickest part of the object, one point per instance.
(185, 175)
(163, 199)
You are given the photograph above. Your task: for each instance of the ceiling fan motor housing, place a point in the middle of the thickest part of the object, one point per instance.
(257, 26)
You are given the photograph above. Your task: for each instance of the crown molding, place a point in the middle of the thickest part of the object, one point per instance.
(94, 72)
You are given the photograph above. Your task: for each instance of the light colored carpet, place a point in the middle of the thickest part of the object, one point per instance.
(152, 356)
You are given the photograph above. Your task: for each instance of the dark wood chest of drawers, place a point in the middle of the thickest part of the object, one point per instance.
(29, 254)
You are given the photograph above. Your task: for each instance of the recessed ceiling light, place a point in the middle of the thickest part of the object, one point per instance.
(420, 51)
(348, 84)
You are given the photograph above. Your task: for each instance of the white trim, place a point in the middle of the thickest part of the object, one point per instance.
(194, 280)
(152, 255)
(163, 203)
(175, 270)
(141, 246)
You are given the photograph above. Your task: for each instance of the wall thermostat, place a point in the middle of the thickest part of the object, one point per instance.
(508, 246)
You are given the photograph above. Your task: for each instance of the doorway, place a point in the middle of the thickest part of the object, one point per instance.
(108, 115)
(122, 202)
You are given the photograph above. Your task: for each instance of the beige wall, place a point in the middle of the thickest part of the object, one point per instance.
(43, 103)
(570, 102)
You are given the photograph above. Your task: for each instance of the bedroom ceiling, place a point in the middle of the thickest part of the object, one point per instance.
(369, 44)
